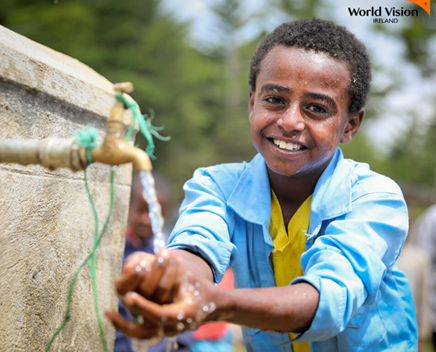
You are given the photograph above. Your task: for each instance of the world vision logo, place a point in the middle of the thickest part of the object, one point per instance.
(425, 4)
(392, 13)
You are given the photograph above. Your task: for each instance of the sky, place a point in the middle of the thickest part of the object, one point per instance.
(386, 52)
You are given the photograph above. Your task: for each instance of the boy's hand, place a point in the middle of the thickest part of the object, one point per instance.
(156, 277)
(195, 306)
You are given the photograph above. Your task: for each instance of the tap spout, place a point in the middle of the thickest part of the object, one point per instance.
(116, 151)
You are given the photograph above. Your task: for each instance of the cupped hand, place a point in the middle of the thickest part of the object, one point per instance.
(195, 305)
(155, 277)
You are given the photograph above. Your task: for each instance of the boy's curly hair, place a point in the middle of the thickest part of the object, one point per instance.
(321, 36)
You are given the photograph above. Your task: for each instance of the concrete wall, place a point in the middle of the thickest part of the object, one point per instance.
(46, 221)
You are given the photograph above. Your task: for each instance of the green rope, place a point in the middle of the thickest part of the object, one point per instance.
(89, 138)
(97, 240)
(144, 122)
(96, 243)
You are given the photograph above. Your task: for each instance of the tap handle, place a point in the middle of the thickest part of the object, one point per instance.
(124, 87)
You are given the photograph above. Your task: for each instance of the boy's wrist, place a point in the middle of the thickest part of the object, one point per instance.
(224, 305)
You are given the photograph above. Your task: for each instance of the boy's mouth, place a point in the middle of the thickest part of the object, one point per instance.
(287, 145)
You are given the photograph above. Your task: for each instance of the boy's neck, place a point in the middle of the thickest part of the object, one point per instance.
(292, 191)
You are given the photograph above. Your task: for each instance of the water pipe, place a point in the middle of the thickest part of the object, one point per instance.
(54, 153)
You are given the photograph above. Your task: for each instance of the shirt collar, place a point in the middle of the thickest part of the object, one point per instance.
(251, 198)
(332, 195)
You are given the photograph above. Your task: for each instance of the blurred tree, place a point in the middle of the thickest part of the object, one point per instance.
(412, 159)
(132, 40)
(202, 96)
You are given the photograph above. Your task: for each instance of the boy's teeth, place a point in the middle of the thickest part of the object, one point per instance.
(287, 146)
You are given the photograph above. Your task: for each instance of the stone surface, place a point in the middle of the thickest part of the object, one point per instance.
(47, 224)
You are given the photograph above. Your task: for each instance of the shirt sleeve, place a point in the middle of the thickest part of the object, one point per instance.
(205, 224)
(348, 262)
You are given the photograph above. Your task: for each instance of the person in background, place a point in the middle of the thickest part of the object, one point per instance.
(416, 264)
(425, 237)
(139, 237)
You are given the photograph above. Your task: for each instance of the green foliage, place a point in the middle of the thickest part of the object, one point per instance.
(202, 99)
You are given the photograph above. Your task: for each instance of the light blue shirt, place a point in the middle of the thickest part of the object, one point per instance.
(358, 224)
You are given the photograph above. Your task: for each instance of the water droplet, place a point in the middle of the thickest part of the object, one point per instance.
(196, 293)
(212, 307)
(189, 321)
(205, 309)
(197, 284)
(163, 319)
(138, 268)
(189, 301)
(143, 263)
(191, 288)
(180, 316)
(148, 269)
(140, 319)
(180, 326)
(160, 260)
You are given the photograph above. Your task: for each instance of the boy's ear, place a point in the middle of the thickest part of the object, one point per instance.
(251, 103)
(354, 121)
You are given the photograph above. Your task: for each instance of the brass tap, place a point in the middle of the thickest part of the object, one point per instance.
(54, 153)
(115, 150)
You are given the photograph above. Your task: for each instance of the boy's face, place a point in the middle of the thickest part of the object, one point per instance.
(299, 111)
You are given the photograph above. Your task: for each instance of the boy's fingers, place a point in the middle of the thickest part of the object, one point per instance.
(151, 311)
(147, 287)
(135, 259)
(165, 286)
(128, 281)
(134, 272)
(131, 328)
(179, 278)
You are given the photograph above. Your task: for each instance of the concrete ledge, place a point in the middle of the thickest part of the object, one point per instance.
(36, 67)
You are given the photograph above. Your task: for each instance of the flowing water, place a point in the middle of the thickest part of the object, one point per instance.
(155, 211)
(157, 223)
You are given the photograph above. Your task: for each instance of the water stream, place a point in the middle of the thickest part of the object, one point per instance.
(157, 223)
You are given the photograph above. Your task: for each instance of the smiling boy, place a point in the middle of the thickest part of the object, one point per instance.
(312, 238)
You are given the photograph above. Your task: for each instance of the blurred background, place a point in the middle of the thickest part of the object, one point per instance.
(189, 63)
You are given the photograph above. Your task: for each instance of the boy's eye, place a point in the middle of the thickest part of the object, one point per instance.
(318, 109)
(274, 100)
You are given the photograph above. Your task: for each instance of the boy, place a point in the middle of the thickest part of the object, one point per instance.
(312, 238)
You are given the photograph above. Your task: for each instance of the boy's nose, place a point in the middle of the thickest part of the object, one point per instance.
(292, 120)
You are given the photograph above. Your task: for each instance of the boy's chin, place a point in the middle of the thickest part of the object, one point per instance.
(280, 171)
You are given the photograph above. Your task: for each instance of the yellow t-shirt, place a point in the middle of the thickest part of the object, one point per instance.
(288, 247)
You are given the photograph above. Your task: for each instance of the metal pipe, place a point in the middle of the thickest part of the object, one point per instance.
(51, 153)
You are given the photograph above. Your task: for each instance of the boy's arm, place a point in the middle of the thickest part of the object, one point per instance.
(281, 309)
